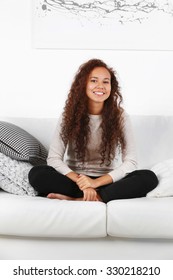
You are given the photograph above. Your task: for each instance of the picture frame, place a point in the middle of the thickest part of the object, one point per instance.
(104, 25)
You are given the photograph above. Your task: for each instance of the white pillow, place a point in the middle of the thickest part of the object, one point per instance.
(14, 176)
(164, 172)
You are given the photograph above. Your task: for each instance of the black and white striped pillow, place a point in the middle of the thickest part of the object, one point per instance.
(18, 144)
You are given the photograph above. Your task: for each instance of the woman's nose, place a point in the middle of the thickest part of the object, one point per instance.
(100, 85)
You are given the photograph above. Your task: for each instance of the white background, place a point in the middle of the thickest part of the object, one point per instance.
(35, 82)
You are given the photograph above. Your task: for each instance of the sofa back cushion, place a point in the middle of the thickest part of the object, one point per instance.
(154, 138)
(153, 135)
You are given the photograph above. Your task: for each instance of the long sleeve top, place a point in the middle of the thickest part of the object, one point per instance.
(64, 160)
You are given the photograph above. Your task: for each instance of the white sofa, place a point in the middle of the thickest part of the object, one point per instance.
(142, 228)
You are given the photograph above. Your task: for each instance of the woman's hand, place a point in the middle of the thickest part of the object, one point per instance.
(90, 195)
(85, 182)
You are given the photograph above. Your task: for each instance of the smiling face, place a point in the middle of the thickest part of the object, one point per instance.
(98, 89)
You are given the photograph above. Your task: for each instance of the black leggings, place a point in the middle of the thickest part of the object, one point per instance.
(45, 179)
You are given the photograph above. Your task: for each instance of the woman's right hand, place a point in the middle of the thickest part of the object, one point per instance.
(90, 195)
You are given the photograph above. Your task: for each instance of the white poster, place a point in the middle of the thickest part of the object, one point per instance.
(110, 24)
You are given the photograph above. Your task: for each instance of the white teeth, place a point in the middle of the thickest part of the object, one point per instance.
(98, 93)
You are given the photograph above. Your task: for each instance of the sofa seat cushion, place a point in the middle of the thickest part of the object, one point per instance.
(43, 217)
(141, 218)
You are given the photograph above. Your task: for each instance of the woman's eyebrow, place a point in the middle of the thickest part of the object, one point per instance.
(97, 78)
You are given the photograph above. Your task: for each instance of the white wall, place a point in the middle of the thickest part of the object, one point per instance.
(34, 83)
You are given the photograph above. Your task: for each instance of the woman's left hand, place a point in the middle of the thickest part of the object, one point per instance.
(90, 195)
(85, 182)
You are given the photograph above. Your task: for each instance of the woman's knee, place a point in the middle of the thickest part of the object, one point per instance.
(36, 173)
(149, 177)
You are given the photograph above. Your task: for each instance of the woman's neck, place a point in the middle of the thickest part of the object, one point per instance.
(95, 109)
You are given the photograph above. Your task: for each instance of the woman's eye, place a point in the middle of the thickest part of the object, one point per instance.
(93, 81)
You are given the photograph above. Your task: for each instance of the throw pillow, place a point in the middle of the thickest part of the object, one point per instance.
(164, 172)
(14, 176)
(18, 144)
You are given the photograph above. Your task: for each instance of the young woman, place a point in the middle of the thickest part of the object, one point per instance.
(92, 155)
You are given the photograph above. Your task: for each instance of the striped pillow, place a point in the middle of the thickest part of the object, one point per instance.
(18, 144)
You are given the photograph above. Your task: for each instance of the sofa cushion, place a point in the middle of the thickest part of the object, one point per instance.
(18, 144)
(14, 176)
(154, 138)
(164, 172)
(43, 217)
(140, 218)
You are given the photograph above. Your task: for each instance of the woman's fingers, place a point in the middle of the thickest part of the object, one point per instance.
(90, 195)
(84, 182)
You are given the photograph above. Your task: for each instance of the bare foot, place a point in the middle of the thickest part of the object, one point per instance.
(65, 197)
(59, 196)
(62, 196)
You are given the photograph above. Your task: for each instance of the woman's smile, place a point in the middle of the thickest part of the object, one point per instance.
(98, 93)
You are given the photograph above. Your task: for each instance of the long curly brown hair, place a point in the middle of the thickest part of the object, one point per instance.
(75, 122)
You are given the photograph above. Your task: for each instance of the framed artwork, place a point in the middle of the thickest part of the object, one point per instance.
(106, 25)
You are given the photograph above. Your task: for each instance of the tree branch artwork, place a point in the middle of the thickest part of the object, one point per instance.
(122, 11)
(103, 24)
